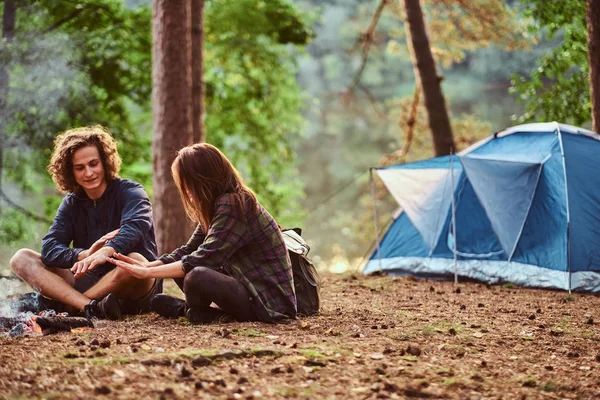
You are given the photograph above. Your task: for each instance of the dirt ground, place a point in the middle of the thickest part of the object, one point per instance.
(377, 337)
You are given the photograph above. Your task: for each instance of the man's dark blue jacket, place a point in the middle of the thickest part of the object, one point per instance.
(124, 205)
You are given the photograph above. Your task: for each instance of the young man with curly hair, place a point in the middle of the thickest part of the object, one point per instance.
(100, 215)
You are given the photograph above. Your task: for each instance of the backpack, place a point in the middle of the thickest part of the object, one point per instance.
(307, 282)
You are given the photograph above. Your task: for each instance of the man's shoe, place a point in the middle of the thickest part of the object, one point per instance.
(168, 306)
(107, 308)
(207, 315)
(36, 303)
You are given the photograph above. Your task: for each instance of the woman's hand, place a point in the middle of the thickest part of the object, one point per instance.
(135, 268)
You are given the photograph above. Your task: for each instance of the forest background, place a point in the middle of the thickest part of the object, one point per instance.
(304, 96)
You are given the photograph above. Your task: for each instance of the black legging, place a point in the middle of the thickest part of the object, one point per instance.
(203, 286)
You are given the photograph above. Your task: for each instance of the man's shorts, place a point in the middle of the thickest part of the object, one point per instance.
(128, 306)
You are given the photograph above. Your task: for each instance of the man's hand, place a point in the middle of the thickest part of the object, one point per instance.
(98, 244)
(89, 263)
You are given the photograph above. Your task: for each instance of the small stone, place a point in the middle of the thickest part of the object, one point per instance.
(233, 371)
(548, 367)
(480, 305)
(483, 363)
(94, 342)
(531, 317)
(463, 307)
(105, 344)
(590, 321)
(539, 311)
(102, 390)
(413, 351)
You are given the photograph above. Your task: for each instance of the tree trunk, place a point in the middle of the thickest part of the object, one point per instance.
(171, 110)
(430, 82)
(198, 89)
(593, 30)
(8, 32)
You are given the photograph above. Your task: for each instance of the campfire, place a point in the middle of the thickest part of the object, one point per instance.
(46, 322)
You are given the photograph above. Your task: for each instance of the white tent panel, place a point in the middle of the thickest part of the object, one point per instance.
(425, 195)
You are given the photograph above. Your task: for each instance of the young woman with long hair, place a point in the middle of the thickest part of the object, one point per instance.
(236, 257)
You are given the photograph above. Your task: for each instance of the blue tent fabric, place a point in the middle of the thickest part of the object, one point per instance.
(506, 190)
(527, 210)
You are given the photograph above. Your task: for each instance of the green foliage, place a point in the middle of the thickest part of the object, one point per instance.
(13, 227)
(253, 100)
(76, 63)
(558, 89)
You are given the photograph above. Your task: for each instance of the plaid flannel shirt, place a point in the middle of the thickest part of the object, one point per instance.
(249, 249)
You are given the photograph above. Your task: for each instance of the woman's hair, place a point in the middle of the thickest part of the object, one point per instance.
(202, 173)
(65, 145)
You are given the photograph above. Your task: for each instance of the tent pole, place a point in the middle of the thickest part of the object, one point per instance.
(453, 218)
(372, 182)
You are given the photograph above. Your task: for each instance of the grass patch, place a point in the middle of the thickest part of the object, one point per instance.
(286, 391)
(250, 332)
(97, 360)
(452, 382)
(311, 354)
(508, 285)
(441, 327)
(548, 387)
(570, 297)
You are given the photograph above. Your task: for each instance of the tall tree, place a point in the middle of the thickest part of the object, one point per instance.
(198, 88)
(172, 114)
(428, 78)
(593, 29)
(8, 32)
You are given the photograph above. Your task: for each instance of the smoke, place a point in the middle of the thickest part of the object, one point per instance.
(8, 289)
(45, 82)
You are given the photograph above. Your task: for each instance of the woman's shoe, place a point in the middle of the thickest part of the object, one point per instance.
(168, 306)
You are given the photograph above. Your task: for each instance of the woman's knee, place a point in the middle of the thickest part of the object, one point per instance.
(194, 279)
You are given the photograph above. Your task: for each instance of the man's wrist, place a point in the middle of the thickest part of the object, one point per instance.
(82, 254)
(107, 251)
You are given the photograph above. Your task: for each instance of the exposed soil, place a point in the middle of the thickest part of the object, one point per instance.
(377, 337)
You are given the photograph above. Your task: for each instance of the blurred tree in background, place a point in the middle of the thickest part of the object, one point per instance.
(558, 88)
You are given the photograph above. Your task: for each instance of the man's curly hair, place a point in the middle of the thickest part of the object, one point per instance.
(65, 145)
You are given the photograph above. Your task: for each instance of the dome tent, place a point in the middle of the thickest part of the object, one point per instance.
(525, 204)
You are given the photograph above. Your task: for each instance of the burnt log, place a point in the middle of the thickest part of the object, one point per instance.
(63, 323)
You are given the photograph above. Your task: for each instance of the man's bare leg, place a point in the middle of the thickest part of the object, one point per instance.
(123, 284)
(54, 283)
